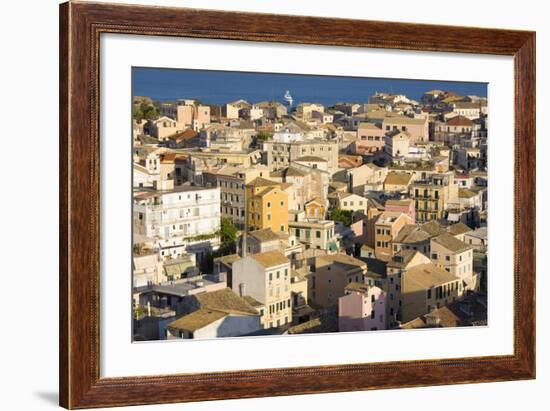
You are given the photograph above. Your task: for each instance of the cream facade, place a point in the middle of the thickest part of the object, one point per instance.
(319, 235)
(332, 274)
(147, 269)
(266, 278)
(455, 257)
(280, 155)
(163, 127)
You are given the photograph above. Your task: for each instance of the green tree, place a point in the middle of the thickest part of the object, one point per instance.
(344, 216)
(149, 111)
(263, 136)
(145, 111)
(228, 233)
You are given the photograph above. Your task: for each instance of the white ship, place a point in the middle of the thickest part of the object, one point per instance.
(288, 98)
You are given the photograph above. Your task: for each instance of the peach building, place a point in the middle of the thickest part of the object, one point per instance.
(387, 226)
(191, 116)
(455, 257)
(370, 138)
(362, 308)
(402, 206)
(418, 128)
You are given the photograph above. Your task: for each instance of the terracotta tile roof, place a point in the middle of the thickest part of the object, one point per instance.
(167, 158)
(465, 193)
(469, 104)
(252, 301)
(310, 158)
(214, 306)
(270, 258)
(225, 300)
(339, 258)
(459, 228)
(397, 178)
(185, 135)
(265, 234)
(429, 275)
(433, 228)
(197, 320)
(451, 243)
(412, 233)
(399, 203)
(295, 172)
(227, 259)
(262, 182)
(471, 310)
(404, 120)
(278, 173)
(460, 121)
(402, 258)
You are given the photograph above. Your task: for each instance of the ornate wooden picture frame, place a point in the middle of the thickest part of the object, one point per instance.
(81, 25)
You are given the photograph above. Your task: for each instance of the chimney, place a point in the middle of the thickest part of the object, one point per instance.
(242, 289)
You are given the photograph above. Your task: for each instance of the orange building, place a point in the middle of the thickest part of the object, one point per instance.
(267, 205)
(315, 209)
(387, 227)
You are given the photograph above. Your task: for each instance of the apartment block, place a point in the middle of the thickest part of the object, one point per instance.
(266, 278)
(186, 219)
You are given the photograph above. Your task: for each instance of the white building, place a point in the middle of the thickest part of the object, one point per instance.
(216, 314)
(186, 219)
(288, 135)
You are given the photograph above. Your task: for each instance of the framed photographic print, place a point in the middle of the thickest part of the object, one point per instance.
(260, 205)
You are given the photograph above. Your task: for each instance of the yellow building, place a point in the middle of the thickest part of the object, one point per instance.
(432, 197)
(267, 205)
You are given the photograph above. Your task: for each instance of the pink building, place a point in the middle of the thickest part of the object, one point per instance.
(418, 128)
(403, 206)
(185, 115)
(195, 117)
(370, 138)
(362, 308)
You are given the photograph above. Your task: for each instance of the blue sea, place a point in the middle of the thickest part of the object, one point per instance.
(220, 87)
